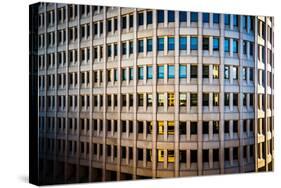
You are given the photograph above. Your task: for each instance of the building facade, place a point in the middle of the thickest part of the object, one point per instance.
(128, 93)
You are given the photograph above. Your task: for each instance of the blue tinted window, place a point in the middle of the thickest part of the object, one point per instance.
(140, 46)
(171, 43)
(182, 71)
(140, 73)
(160, 44)
(183, 16)
(226, 19)
(149, 72)
(216, 18)
(226, 44)
(160, 72)
(193, 43)
(140, 18)
(149, 45)
(160, 16)
(194, 17)
(235, 20)
(171, 16)
(245, 22)
(171, 71)
(235, 46)
(149, 17)
(131, 73)
(183, 43)
(216, 44)
(205, 17)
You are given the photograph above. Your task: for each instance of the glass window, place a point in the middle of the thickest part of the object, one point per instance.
(149, 17)
(161, 99)
(193, 128)
(149, 72)
(124, 22)
(205, 71)
(216, 44)
(227, 19)
(124, 48)
(149, 45)
(140, 18)
(244, 47)
(183, 43)
(235, 46)
(205, 43)
(245, 24)
(115, 75)
(226, 99)
(131, 20)
(109, 28)
(216, 18)
(235, 73)
(171, 43)
(194, 17)
(149, 99)
(226, 72)
(124, 74)
(182, 99)
(251, 74)
(235, 99)
(215, 99)
(140, 46)
(131, 73)
(183, 17)
(244, 72)
(160, 16)
(193, 71)
(205, 99)
(205, 128)
(205, 17)
(171, 71)
(216, 127)
(131, 47)
(160, 72)
(171, 99)
(215, 71)
(161, 132)
(140, 99)
(160, 44)
(182, 71)
(170, 129)
(193, 99)
(193, 43)
(226, 45)
(235, 20)
(171, 16)
(140, 73)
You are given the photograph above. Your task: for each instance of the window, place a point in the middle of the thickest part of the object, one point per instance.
(182, 127)
(124, 74)
(193, 156)
(216, 18)
(193, 128)
(205, 128)
(205, 17)
(244, 47)
(193, 43)
(235, 20)
(149, 99)
(245, 24)
(235, 99)
(140, 99)
(140, 73)
(226, 99)
(193, 99)
(131, 73)
(215, 71)
(205, 71)
(226, 45)
(216, 44)
(171, 43)
(140, 46)
(149, 17)
(140, 18)
(149, 45)
(226, 127)
(171, 99)
(183, 43)
(131, 47)
(160, 72)
(109, 28)
(205, 43)
(182, 99)
(235, 126)
(235, 46)
(161, 99)
(194, 17)
(226, 154)
(171, 127)
(226, 19)
(171, 16)
(160, 44)
(215, 155)
(235, 73)
(160, 16)
(215, 99)
(235, 153)
(131, 20)
(183, 16)
(124, 22)
(226, 72)
(124, 48)
(193, 71)
(251, 74)
(149, 72)
(244, 73)
(171, 71)
(182, 71)
(205, 99)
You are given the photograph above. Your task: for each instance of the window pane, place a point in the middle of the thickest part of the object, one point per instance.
(226, 45)
(235, 20)
(171, 43)
(183, 43)
(193, 99)
(235, 46)
(149, 99)
(205, 71)
(226, 72)
(205, 17)
(161, 99)
(160, 44)
(124, 48)
(160, 72)
(193, 43)
(140, 73)
(182, 71)
(194, 17)
(235, 73)
(215, 99)
(183, 16)
(140, 18)
(216, 18)
(149, 45)
(140, 46)
(216, 44)
(149, 17)
(171, 71)
(215, 71)
(182, 99)
(131, 73)
(160, 16)
(149, 72)
(226, 19)
(193, 71)
(205, 43)
(170, 99)
(171, 16)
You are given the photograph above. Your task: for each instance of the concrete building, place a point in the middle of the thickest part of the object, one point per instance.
(128, 93)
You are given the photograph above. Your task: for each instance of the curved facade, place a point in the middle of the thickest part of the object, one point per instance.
(129, 93)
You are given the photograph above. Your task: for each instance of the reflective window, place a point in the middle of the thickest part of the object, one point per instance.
(183, 17)
(124, 48)
(216, 44)
(140, 18)
(171, 16)
(194, 17)
(216, 18)
(149, 17)
(227, 19)
(131, 47)
(226, 72)
(131, 72)
(183, 43)
(149, 72)
(160, 44)
(140, 46)
(160, 72)
(244, 47)
(235, 46)
(235, 73)
(160, 16)
(182, 71)
(124, 74)
(182, 99)
(235, 20)
(226, 45)
(171, 71)
(245, 22)
(171, 43)
(140, 73)
(244, 73)
(149, 45)
(193, 43)
(205, 17)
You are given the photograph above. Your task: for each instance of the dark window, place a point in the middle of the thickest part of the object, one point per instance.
(160, 16)
(171, 16)
(193, 128)
(140, 18)
(140, 46)
(149, 17)
(235, 99)
(205, 71)
(183, 16)
(193, 71)
(235, 153)
(205, 156)
(160, 44)
(194, 17)
(226, 127)
(215, 127)
(216, 18)
(131, 20)
(235, 126)
(193, 156)
(205, 127)
(124, 22)
(215, 155)
(235, 20)
(193, 99)
(182, 127)
(227, 19)
(205, 43)
(149, 45)
(226, 99)
(226, 154)
(205, 17)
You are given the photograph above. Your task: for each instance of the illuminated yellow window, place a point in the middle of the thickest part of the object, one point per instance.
(171, 99)
(171, 127)
(215, 72)
(171, 156)
(161, 99)
(215, 99)
(160, 155)
(160, 127)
